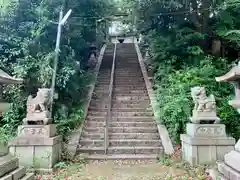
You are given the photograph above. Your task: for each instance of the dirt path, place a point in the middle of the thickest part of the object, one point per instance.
(121, 170)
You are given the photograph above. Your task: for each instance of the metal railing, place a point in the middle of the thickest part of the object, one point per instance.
(109, 101)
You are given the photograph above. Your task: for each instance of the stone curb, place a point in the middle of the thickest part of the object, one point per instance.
(73, 139)
(166, 141)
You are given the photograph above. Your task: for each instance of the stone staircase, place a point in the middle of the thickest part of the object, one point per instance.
(133, 133)
(10, 169)
(92, 137)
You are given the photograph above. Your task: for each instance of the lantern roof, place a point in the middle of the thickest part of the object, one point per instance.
(7, 79)
(232, 75)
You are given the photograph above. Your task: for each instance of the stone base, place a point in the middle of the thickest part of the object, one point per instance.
(37, 151)
(205, 143)
(230, 168)
(10, 170)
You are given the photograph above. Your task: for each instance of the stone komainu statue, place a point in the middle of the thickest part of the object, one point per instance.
(38, 107)
(201, 101)
(41, 102)
(204, 106)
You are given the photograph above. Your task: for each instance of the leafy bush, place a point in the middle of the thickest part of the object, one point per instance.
(27, 42)
(175, 99)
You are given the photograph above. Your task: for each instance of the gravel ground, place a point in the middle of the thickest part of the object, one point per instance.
(121, 170)
(169, 168)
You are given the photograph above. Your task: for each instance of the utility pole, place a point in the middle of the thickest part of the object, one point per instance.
(61, 22)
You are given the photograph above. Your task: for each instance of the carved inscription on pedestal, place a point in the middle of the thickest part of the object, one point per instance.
(209, 131)
(27, 131)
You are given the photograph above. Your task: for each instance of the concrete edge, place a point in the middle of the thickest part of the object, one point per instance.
(214, 172)
(73, 139)
(162, 130)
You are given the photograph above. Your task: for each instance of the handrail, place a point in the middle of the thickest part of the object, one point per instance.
(109, 101)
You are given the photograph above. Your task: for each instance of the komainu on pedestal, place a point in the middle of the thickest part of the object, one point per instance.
(37, 145)
(38, 108)
(204, 107)
(206, 140)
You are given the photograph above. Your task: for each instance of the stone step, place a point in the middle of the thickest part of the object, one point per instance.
(121, 142)
(133, 102)
(147, 136)
(120, 124)
(28, 176)
(130, 76)
(127, 84)
(128, 72)
(122, 150)
(123, 82)
(123, 157)
(91, 143)
(95, 113)
(104, 88)
(123, 130)
(93, 104)
(130, 91)
(134, 150)
(95, 136)
(91, 150)
(104, 75)
(113, 135)
(130, 88)
(8, 163)
(16, 174)
(124, 94)
(119, 89)
(134, 142)
(120, 109)
(127, 98)
(130, 62)
(121, 119)
(129, 79)
(121, 105)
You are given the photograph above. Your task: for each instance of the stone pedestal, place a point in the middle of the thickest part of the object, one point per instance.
(205, 143)
(37, 146)
(9, 167)
(230, 168)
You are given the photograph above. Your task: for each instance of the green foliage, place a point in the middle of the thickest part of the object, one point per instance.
(27, 42)
(228, 22)
(176, 103)
(180, 35)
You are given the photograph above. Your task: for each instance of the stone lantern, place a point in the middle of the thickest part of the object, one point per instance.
(9, 165)
(230, 168)
(5, 79)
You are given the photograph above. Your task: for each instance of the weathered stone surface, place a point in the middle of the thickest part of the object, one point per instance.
(34, 141)
(7, 164)
(227, 172)
(3, 150)
(18, 173)
(37, 152)
(237, 146)
(29, 176)
(37, 130)
(204, 107)
(232, 159)
(38, 108)
(203, 130)
(205, 150)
